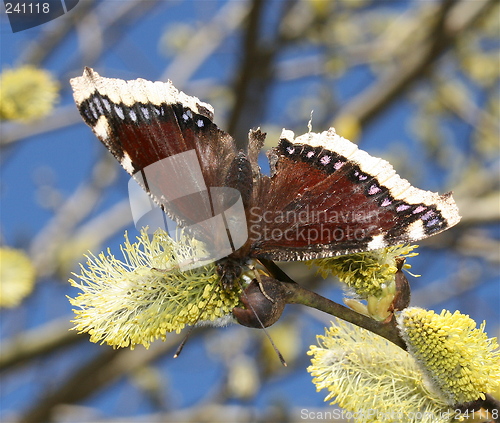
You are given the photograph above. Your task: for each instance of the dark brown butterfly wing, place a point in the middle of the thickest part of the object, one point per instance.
(143, 123)
(326, 197)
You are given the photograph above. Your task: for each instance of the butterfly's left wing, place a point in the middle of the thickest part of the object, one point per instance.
(142, 122)
(326, 197)
(162, 137)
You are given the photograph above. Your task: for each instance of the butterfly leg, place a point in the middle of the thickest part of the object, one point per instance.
(261, 286)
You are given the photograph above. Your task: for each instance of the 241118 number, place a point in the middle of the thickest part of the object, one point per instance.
(27, 8)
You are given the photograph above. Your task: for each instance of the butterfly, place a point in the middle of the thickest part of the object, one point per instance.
(324, 197)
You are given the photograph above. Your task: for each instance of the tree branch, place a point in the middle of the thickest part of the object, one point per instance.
(101, 371)
(37, 342)
(454, 20)
(296, 294)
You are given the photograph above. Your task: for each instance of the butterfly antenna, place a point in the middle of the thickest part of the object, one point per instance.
(181, 345)
(276, 350)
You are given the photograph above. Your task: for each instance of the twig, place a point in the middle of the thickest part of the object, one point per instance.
(105, 26)
(60, 118)
(37, 342)
(101, 371)
(204, 42)
(49, 241)
(296, 294)
(52, 35)
(252, 63)
(300, 295)
(367, 105)
(256, 72)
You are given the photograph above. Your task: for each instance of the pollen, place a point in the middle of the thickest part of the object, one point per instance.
(142, 297)
(369, 276)
(459, 358)
(372, 378)
(365, 272)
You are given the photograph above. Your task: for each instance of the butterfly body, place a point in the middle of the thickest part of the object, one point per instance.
(324, 197)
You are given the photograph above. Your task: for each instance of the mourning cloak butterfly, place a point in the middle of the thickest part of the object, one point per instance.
(323, 198)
